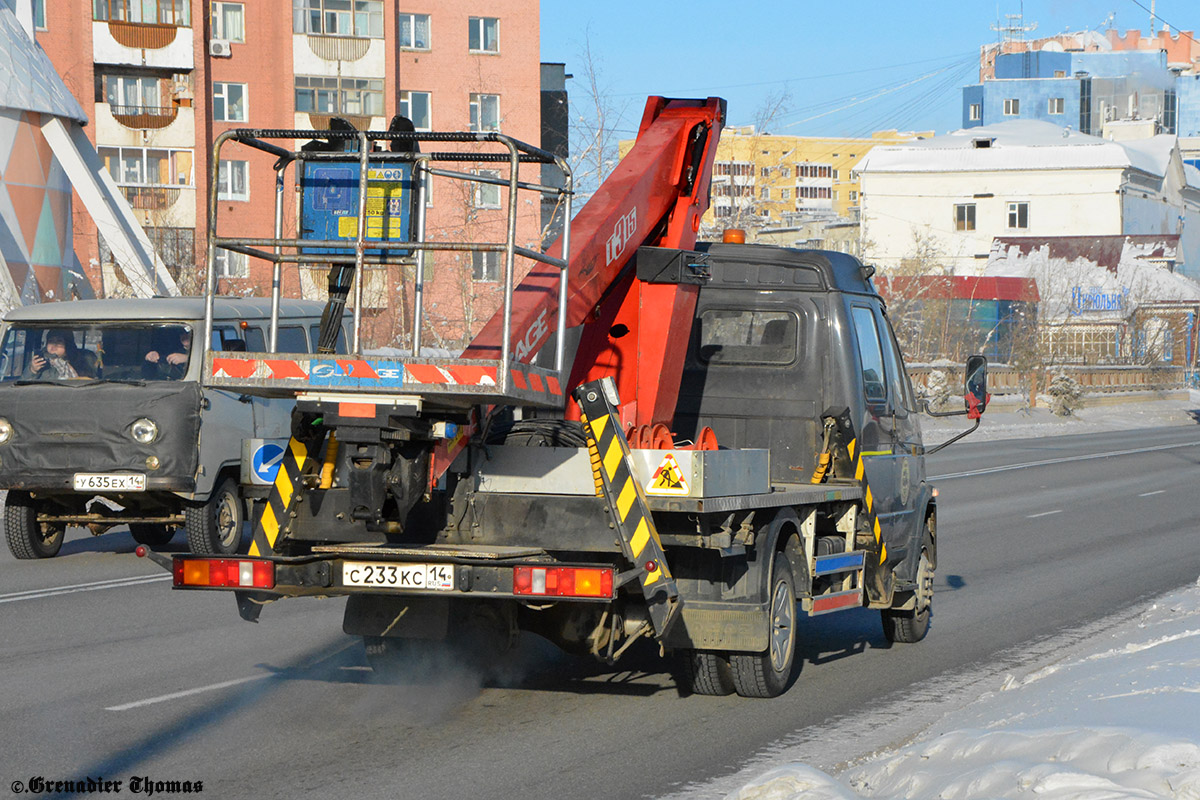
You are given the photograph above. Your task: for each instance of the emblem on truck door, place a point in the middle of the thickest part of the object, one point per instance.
(623, 231)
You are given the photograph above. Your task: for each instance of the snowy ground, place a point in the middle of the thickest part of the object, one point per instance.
(1104, 713)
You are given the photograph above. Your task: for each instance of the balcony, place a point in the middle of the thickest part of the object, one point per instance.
(145, 117)
(142, 36)
(151, 198)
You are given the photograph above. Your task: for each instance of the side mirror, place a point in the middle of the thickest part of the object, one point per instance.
(977, 396)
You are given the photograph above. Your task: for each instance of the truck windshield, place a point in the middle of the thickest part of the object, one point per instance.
(128, 351)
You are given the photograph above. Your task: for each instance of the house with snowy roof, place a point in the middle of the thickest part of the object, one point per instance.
(947, 198)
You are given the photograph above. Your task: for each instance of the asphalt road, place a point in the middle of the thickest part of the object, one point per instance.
(106, 672)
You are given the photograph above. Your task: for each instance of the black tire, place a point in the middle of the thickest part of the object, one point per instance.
(27, 538)
(768, 674)
(705, 672)
(151, 534)
(215, 527)
(908, 627)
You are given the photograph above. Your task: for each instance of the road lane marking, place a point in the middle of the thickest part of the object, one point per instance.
(1150, 494)
(1063, 460)
(116, 583)
(189, 692)
(1044, 514)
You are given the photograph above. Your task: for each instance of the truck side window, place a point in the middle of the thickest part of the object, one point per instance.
(745, 336)
(292, 340)
(874, 374)
(901, 393)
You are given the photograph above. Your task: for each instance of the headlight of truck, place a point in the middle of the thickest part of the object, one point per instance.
(6, 431)
(143, 430)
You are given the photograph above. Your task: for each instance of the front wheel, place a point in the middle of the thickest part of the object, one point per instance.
(767, 674)
(215, 527)
(908, 627)
(28, 538)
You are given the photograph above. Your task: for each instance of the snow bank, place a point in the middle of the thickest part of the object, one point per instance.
(1120, 721)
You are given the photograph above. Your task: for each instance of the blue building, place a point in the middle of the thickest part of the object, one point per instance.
(1083, 90)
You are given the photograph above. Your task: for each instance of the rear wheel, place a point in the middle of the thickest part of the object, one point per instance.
(215, 527)
(911, 626)
(767, 674)
(28, 538)
(151, 534)
(705, 672)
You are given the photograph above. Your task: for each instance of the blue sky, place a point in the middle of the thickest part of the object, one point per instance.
(845, 68)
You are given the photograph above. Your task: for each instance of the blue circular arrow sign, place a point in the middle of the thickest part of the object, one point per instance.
(266, 461)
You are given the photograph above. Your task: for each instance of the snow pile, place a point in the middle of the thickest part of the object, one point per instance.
(1118, 723)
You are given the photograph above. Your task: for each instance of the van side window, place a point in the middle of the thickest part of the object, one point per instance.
(225, 337)
(292, 339)
(256, 340)
(339, 348)
(874, 375)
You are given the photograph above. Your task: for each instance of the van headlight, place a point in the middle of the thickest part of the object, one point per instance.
(6, 431)
(143, 430)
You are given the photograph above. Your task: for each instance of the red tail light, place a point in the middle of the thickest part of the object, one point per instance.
(224, 572)
(563, 581)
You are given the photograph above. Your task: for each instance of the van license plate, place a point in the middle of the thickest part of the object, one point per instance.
(101, 482)
(436, 577)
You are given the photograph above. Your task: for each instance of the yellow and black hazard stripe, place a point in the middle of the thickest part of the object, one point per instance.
(273, 515)
(860, 475)
(613, 472)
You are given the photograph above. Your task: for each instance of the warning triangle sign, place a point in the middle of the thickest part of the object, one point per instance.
(668, 478)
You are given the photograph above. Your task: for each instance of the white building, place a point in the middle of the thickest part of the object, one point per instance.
(949, 196)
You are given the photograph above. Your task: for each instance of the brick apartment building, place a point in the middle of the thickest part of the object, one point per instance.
(161, 79)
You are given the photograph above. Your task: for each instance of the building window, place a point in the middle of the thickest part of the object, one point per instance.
(1060, 73)
(485, 266)
(1018, 216)
(39, 14)
(765, 193)
(416, 106)
(414, 32)
(1055, 105)
(784, 172)
(128, 94)
(228, 264)
(485, 112)
(487, 195)
(150, 12)
(974, 112)
(964, 217)
(1012, 106)
(765, 172)
(147, 166)
(229, 102)
(357, 96)
(233, 180)
(361, 18)
(785, 194)
(853, 196)
(835, 175)
(483, 35)
(229, 21)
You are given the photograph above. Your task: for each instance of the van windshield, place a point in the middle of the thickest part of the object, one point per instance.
(127, 351)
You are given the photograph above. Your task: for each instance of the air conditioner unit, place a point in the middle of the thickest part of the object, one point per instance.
(219, 48)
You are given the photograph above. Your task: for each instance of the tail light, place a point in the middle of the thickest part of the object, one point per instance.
(224, 572)
(563, 581)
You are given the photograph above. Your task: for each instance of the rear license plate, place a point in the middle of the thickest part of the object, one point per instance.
(101, 482)
(435, 577)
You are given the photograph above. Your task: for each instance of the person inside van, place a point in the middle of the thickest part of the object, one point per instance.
(173, 365)
(61, 359)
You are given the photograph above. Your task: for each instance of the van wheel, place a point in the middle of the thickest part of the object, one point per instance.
(28, 538)
(705, 672)
(215, 527)
(151, 534)
(907, 627)
(768, 673)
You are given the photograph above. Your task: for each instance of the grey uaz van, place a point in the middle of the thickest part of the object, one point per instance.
(103, 420)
